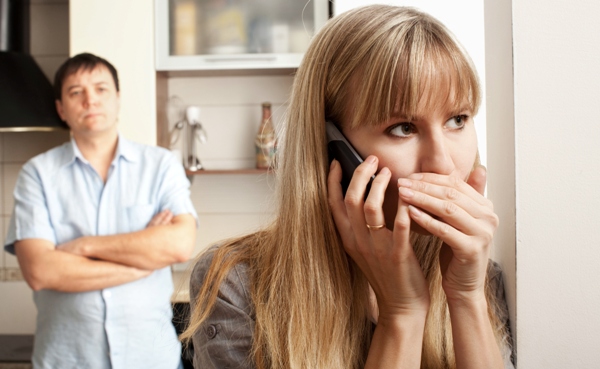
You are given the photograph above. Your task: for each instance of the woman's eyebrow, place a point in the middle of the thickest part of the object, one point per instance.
(461, 110)
(452, 111)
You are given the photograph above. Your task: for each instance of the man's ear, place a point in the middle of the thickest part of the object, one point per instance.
(59, 109)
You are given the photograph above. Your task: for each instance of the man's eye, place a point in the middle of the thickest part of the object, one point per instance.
(403, 130)
(457, 122)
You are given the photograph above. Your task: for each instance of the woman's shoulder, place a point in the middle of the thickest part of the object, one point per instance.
(224, 337)
(234, 289)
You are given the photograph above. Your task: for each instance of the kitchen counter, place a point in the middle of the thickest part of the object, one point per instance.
(15, 351)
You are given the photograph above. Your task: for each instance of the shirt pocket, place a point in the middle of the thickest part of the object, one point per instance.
(139, 216)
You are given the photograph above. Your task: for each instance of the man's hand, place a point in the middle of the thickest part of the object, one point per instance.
(75, 247)
(163, 218)
(167, 239)
(78, 246)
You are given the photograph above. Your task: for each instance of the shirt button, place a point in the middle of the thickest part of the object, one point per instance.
(212, 330)
(106, 294)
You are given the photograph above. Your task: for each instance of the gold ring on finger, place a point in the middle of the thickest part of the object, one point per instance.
(375, 227)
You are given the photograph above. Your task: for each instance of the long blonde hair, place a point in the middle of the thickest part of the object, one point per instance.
(309, 297)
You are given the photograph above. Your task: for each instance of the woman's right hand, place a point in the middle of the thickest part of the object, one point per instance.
(386, 257)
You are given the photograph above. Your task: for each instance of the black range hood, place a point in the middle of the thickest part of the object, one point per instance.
(26, 95)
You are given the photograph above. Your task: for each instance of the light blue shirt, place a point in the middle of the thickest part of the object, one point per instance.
(60, 197)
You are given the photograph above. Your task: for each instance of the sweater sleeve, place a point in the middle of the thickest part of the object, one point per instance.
(224, 340)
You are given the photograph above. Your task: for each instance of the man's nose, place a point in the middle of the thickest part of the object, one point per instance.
(90, 97)
(435, 156)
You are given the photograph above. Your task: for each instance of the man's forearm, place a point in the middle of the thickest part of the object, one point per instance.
(151, 248)
(48, 268)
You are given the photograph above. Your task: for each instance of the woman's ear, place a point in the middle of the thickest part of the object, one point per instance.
(478, 178)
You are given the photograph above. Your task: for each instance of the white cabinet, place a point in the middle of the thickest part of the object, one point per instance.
(235, 34)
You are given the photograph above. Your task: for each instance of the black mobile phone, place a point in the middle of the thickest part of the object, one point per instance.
(341, 150)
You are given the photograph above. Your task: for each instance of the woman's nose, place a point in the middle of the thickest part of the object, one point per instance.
(435, 157)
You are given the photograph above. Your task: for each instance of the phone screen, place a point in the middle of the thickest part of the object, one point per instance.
(340, 149)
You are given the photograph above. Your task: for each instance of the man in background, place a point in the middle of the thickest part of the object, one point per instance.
(97, 223)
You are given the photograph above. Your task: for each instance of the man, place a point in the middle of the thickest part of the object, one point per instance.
(96, 224)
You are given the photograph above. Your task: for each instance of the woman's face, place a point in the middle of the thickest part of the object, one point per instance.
(440, 140)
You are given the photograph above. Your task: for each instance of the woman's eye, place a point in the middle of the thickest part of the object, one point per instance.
(457, 122)
(403, 130)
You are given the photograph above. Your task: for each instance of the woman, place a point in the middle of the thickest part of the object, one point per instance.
(397, 278)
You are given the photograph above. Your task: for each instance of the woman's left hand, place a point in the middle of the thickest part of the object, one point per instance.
(456, 212)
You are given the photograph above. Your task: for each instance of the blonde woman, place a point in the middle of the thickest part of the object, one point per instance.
(394, 277)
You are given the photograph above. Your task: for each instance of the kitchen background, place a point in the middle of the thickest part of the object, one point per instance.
(228, 204)
(541, 62)
(49, 47)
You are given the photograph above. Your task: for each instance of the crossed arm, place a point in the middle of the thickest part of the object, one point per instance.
(97, 262)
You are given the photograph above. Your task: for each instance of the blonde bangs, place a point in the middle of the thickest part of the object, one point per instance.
(422, 69)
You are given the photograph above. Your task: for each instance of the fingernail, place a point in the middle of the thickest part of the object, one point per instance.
(332, 165)
(385, 171)
(371, 159)
(414, 211)
(416, 176)
(405, 192)
(404, 182)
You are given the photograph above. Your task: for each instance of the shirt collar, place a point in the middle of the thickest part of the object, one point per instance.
(124, 150)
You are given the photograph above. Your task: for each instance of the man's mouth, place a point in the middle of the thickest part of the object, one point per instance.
(92, 115)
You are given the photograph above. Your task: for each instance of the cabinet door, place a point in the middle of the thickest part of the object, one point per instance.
(235, 34)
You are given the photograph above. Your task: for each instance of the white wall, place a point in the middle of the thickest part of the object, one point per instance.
(557, 131)
(501, 140)
(123, 33)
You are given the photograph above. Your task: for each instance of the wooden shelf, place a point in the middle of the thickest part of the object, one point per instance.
(228, 171)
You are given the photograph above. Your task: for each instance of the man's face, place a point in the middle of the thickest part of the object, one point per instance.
(90, 102)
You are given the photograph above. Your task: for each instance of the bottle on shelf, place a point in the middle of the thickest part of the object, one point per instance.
(266, 144)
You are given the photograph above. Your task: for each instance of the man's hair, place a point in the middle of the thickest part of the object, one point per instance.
(84, 61)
